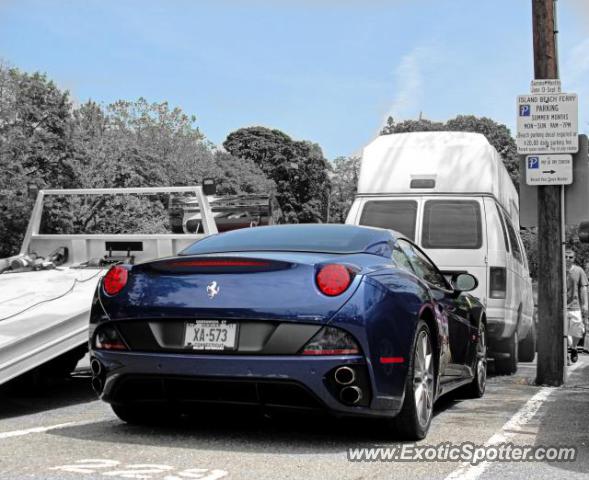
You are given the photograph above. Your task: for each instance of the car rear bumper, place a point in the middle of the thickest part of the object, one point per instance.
(267, 381)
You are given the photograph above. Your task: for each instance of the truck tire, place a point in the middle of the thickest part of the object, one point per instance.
(527, 347)
(508, 364)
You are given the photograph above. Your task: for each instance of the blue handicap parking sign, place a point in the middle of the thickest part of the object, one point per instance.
(533, 163)
(524, 110)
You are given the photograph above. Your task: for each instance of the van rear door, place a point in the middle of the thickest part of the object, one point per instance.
(394, 213)
(451, 229)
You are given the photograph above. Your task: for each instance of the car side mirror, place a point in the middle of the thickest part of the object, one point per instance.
(584, 232)
(464, 282)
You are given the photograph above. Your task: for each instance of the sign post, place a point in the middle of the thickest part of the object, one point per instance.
(547, 125)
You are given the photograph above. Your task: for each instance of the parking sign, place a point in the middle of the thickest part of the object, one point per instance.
(524, 110)
(547, 123)
(549, 169)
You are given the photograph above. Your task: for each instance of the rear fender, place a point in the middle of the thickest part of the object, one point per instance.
(384, 322)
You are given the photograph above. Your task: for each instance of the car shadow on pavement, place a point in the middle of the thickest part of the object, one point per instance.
(28, 396)
(248, 431)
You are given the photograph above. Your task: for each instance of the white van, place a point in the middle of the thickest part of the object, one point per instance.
(451, 194)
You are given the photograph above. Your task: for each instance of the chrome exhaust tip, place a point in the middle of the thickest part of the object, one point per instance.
(350, 395)
(345, 375)
(96, 367)
(97, 385)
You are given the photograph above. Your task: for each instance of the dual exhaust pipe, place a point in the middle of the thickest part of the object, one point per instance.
(350, 394)
(97, 383)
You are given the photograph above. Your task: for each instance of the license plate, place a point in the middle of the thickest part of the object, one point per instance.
(210, 335)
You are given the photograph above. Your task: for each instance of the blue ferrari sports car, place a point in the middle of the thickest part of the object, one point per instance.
(355, 321)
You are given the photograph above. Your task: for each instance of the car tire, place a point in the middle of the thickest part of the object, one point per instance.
(527, 347)
(414, 419)
(508, 365)
(476, 389)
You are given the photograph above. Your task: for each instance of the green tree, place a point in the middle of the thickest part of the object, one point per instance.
(406, 126)
(35, 148)
(298, 169)
(529, 237)
(237, 175)
(344, 181)
(140, 144)
(34, 130)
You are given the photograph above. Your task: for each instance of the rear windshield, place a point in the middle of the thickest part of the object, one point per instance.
(291, 238)
(396, 215)
(452, 224)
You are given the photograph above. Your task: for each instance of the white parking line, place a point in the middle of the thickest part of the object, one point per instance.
(510, 429)
(18, 433)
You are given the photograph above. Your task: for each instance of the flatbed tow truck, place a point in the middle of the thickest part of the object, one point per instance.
(46, 291)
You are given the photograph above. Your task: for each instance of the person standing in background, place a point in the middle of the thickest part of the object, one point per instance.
(577, 303)
(585, 339)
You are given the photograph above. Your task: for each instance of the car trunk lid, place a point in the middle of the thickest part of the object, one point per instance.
(255, 285)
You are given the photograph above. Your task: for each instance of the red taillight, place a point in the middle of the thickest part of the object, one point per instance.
(333, 279)
(388, 360)
(115, 280)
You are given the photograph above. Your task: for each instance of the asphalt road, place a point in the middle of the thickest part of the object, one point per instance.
(65, 433)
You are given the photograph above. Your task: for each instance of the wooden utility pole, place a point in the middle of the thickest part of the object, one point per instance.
(551, 352)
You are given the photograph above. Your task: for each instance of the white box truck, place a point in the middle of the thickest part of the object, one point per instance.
(451, 194)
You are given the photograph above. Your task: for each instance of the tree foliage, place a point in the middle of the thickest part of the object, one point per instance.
(35, 147)
(344, 180)
(47, 143)
(298, 169)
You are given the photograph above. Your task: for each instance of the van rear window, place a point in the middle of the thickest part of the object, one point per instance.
(452, 224)
(396, 215)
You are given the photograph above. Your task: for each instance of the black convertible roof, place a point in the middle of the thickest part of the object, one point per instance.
(312, 237)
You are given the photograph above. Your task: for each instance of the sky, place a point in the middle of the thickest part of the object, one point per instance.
(328, 71)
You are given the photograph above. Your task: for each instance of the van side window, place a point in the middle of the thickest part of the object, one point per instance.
(502, 222)
(452, 224)
(396, 215)
(513, 240)
(423, 267)
(523, 250)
